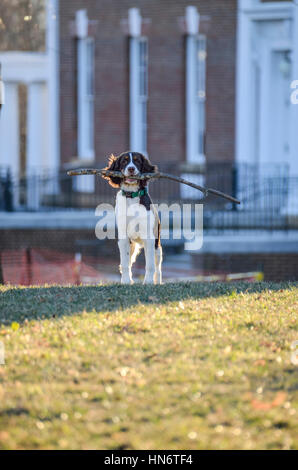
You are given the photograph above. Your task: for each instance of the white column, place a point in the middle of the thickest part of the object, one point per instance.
(84, 151)
(9, 129)
(191, 118)
(192, 19)
(293, 193)
(83, 148)
(243, 85)
(294, 107)
(133, 95)
(36, 138)
(53, 161)
(35, 127)
(134, 22)
(135, 31)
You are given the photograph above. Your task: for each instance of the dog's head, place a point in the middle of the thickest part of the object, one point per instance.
(130, 164)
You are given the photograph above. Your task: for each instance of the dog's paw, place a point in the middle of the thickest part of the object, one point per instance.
(126, 281)
(148, 280)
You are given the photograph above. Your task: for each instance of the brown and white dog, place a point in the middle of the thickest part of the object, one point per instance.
(133, 198)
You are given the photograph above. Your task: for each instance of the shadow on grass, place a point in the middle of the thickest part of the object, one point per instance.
(19, 304)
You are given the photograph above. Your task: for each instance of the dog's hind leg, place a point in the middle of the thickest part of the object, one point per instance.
(158, 261)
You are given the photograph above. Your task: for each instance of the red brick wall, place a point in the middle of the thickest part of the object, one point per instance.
(166, 107)
(275, 266)
(63, 240)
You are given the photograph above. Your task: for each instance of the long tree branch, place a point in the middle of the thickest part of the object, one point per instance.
(148, 176)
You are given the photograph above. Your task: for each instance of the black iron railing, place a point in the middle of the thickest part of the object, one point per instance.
(269, 196)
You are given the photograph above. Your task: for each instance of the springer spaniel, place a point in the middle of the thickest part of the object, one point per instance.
(133, 198)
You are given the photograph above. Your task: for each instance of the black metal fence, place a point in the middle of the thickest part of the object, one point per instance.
(6, 190)
(269, 196)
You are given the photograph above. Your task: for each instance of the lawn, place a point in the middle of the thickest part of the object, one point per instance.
(178, 366)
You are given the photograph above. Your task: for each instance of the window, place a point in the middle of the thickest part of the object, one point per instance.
(86, 98)
(138, 94)
(195, 97)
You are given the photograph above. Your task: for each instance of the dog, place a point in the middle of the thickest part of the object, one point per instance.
(133, 198)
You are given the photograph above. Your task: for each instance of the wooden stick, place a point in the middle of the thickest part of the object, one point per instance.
(147, 176)
(103, 172)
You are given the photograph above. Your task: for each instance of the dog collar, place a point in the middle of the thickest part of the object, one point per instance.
(132, 194)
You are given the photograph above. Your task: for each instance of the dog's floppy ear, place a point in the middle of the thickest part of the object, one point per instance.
(147, 166)
(114, 165)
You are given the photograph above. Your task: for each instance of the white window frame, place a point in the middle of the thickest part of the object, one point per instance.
(196, 54)
(85, 110)
(85, 99)
(138, 66)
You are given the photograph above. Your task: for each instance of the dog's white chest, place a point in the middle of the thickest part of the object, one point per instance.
(133, 220)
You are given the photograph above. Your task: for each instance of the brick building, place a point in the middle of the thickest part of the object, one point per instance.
(187, 83)
(163, 30)
(213, 81)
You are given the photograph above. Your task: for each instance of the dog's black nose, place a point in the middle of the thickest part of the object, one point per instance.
(131, 170)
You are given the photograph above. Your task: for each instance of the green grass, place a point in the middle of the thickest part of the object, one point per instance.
(178, 366)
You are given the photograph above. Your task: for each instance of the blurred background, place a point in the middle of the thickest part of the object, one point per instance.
(206, 89)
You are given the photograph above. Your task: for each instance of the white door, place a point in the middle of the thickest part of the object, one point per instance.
(271, 117)
(279, 103)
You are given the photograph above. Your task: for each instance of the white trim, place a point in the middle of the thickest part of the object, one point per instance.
(37, 138)
(192, 20)
(85, 110)
(9, 130)
(257, 10)
(137, 97)
(81, 24)
(243, 141)
(195, 105)
(249, 13)
(34, 68)
(294, 107)
(24, 67)
(2, 92)
(29, 68)
(134, 22)
(85, 120)
(53, 83)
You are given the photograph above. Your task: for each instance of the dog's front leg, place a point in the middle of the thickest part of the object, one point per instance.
(125, 267)
(149, 255)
